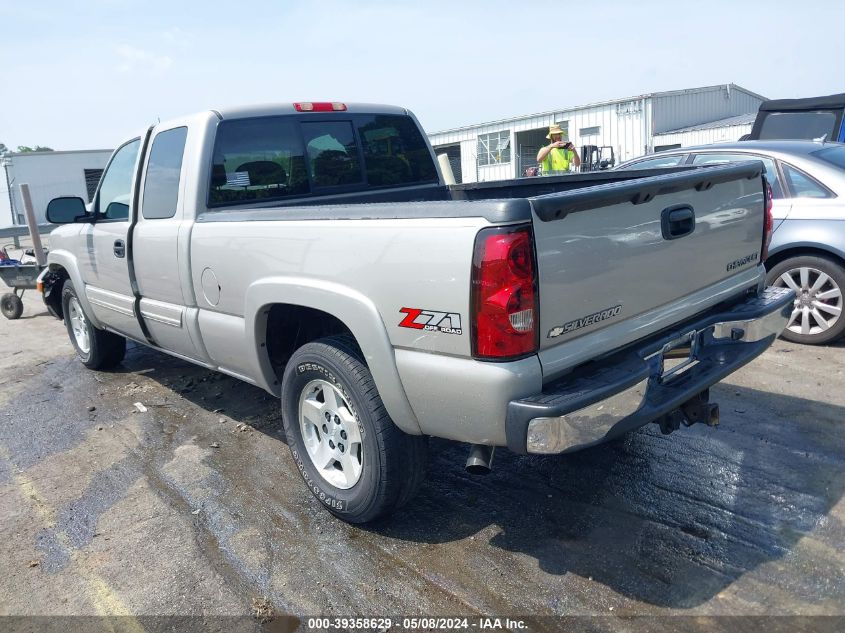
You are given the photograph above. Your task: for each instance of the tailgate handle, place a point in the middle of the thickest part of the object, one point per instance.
(677, 221)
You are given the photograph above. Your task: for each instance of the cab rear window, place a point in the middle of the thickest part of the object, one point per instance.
(282, 157)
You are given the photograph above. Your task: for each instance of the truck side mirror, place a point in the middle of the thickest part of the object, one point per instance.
(66, 210)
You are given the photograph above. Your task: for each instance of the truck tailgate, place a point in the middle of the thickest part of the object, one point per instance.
(641, 255)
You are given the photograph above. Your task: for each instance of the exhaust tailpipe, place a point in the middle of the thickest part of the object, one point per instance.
(480, 459)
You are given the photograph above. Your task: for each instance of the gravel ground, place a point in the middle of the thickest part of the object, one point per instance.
(195, 507)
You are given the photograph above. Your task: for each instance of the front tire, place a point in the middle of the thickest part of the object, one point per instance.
(819, 283)
(352, 456)
(97, 349)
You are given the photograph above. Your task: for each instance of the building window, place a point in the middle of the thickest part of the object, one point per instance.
(92, 179)
(663, 148)
(495, 148)
(590, 131)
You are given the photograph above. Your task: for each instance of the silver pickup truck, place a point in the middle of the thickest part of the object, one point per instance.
(313, 250)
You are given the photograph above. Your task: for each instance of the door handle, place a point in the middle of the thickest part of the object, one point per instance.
(677, 221)
(119, 248)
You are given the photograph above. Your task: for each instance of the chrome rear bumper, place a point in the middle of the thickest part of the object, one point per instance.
(634, 387)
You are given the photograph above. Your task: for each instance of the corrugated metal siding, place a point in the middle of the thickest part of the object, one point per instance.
(702, 137)
(51, 174)
(628, 126)
(621, 127)
(699, 105)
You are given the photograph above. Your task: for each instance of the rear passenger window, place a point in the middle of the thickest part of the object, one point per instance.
(161, 186)
(658, 161)
(257, 159)
(769, 168)
(802, 185)
(332, 153)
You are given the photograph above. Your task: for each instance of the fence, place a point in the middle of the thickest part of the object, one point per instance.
(17, 232)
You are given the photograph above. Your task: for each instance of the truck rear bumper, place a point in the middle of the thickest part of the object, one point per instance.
(629, 389)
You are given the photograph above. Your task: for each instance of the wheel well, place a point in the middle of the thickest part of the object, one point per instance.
(56, 281)
(289, 327)
(799, 251)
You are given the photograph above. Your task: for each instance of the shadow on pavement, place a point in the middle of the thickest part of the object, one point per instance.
(670, 521)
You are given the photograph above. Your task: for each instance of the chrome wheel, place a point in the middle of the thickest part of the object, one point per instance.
(330, 434)
(818, 302)
(79, 325)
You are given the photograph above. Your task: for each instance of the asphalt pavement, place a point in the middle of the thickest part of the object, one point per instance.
(190, 504)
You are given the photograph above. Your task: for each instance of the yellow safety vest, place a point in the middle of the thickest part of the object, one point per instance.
(557, 160)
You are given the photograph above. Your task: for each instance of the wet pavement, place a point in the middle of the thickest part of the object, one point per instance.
(195, 506)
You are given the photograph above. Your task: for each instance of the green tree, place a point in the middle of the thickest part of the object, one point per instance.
(23, 149)
(3, 149)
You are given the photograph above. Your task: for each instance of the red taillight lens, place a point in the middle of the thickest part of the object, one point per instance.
(504, 294)
(768, 221)
(322, 106)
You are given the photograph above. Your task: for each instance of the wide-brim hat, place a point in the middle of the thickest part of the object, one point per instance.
(555, 129)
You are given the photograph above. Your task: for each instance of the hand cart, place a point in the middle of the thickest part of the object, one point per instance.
(19, 277)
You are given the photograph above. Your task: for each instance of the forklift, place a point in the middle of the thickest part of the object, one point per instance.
(597, 158)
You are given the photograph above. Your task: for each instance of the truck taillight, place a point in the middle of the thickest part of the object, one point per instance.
(768, 222)
(504, 294)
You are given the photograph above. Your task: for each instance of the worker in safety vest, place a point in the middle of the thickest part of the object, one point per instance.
(557, 155)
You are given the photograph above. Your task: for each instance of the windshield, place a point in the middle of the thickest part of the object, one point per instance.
(798, 125)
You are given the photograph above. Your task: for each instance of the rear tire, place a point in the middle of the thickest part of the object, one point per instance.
(97, 349)
(819, 283)
(11, 306)
(352, 456)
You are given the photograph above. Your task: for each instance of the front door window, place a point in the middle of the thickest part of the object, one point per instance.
(116, 186)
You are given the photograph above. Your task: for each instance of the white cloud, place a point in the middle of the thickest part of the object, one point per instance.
(132, 58)
(177, 37)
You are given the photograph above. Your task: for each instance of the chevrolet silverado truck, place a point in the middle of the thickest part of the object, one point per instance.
(313, 250)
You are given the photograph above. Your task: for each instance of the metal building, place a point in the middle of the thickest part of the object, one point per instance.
(504, 149)
(730, 129)
(49, 175)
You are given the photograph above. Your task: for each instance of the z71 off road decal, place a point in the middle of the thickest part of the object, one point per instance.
(431, 320)
(590, 319)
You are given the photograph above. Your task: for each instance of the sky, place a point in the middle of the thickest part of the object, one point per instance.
(87, 75)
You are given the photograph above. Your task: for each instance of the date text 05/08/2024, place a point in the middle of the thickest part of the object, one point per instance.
(417, 624)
